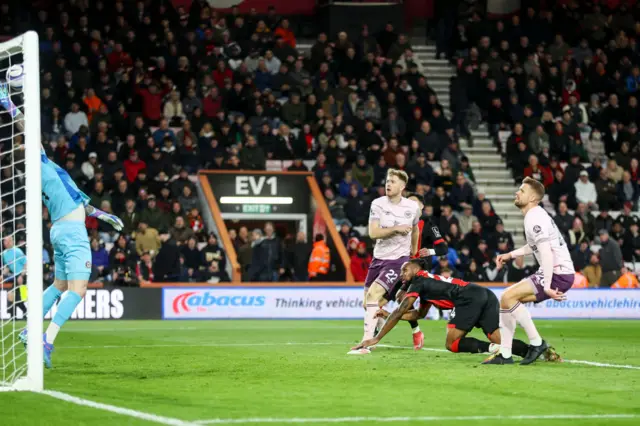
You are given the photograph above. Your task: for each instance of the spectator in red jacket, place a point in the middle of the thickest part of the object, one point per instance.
(538, 171)
(212, 103)
(119, 59)
(221, 73)
(360, 262)
(285, 32)
(151, 100)
(133, 165)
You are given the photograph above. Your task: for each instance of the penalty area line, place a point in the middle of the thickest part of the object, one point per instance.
(417, 419)
(568, 361)
(117, 410)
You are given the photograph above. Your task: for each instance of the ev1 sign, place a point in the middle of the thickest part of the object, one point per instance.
(260, 193)
(254, 185)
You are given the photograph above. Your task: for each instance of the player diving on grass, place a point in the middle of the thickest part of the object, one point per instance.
(429, 236)
(393, 223)
(14, 259)
(68, 207)
(474, 306)
(551, 281)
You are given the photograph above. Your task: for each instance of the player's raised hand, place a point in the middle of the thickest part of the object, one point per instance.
(501, 259)
(556, 295)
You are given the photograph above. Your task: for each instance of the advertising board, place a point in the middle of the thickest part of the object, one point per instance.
(346, 303)
(107, 304)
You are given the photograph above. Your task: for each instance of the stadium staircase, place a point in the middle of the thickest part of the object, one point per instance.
(494, 180)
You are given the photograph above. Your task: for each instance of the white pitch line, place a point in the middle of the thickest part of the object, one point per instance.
(568, 361)
(118, 410)
(136, 329)
(209, 345)
(418, 419)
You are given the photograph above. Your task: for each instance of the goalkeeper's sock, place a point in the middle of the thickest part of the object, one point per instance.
(68, 303)
(49, 297)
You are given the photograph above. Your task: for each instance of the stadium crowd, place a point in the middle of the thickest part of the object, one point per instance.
(559, 91)
(138, 96)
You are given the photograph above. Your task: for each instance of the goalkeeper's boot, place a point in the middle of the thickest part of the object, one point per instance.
(534, 353)
(498, 359)
(48, 349)
(23, 337)
(418, 340)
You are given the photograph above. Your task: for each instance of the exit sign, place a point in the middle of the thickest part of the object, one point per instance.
(256, 208)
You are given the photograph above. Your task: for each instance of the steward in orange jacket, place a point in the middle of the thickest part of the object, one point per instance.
(627, 280)
(319, 261)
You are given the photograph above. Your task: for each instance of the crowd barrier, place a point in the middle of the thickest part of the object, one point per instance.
(319, 301)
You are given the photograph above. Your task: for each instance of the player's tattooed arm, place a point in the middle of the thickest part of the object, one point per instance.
(396, 315)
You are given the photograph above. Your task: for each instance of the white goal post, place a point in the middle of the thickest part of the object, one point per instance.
(20, 138)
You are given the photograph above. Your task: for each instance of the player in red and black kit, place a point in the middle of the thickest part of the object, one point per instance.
(474, 306)
(430, 244)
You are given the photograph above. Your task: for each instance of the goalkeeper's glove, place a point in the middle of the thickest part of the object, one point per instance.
(111, 219)
(5, 100)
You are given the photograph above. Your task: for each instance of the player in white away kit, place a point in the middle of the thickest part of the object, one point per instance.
(551, 281)
(393, 223)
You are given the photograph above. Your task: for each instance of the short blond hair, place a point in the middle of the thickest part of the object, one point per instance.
(536, 186)
(400, 174)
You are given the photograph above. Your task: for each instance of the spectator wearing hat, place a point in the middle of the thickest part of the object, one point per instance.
(585, 191)
(610, 259)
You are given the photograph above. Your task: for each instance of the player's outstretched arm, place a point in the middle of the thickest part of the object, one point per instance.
(376, 232)
(522, 251)
(391, 322)
(111, 219)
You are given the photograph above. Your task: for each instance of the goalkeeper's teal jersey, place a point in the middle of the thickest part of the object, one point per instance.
(60, 194)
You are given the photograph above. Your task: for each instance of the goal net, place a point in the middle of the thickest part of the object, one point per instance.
(21, 227)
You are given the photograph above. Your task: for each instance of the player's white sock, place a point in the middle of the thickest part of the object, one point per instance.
(52, 332)
(523, 316)
(507, 330)
(416, 330)
(370, 321)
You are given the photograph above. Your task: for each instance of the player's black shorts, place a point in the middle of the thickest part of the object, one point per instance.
(480, 308)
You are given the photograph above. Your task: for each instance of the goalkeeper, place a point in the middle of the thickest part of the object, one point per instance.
(68, 208)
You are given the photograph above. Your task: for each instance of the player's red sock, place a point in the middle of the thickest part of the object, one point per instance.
(523, 317)
(469, 345)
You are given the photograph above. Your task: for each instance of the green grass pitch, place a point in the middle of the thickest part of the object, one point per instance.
(211, 372)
